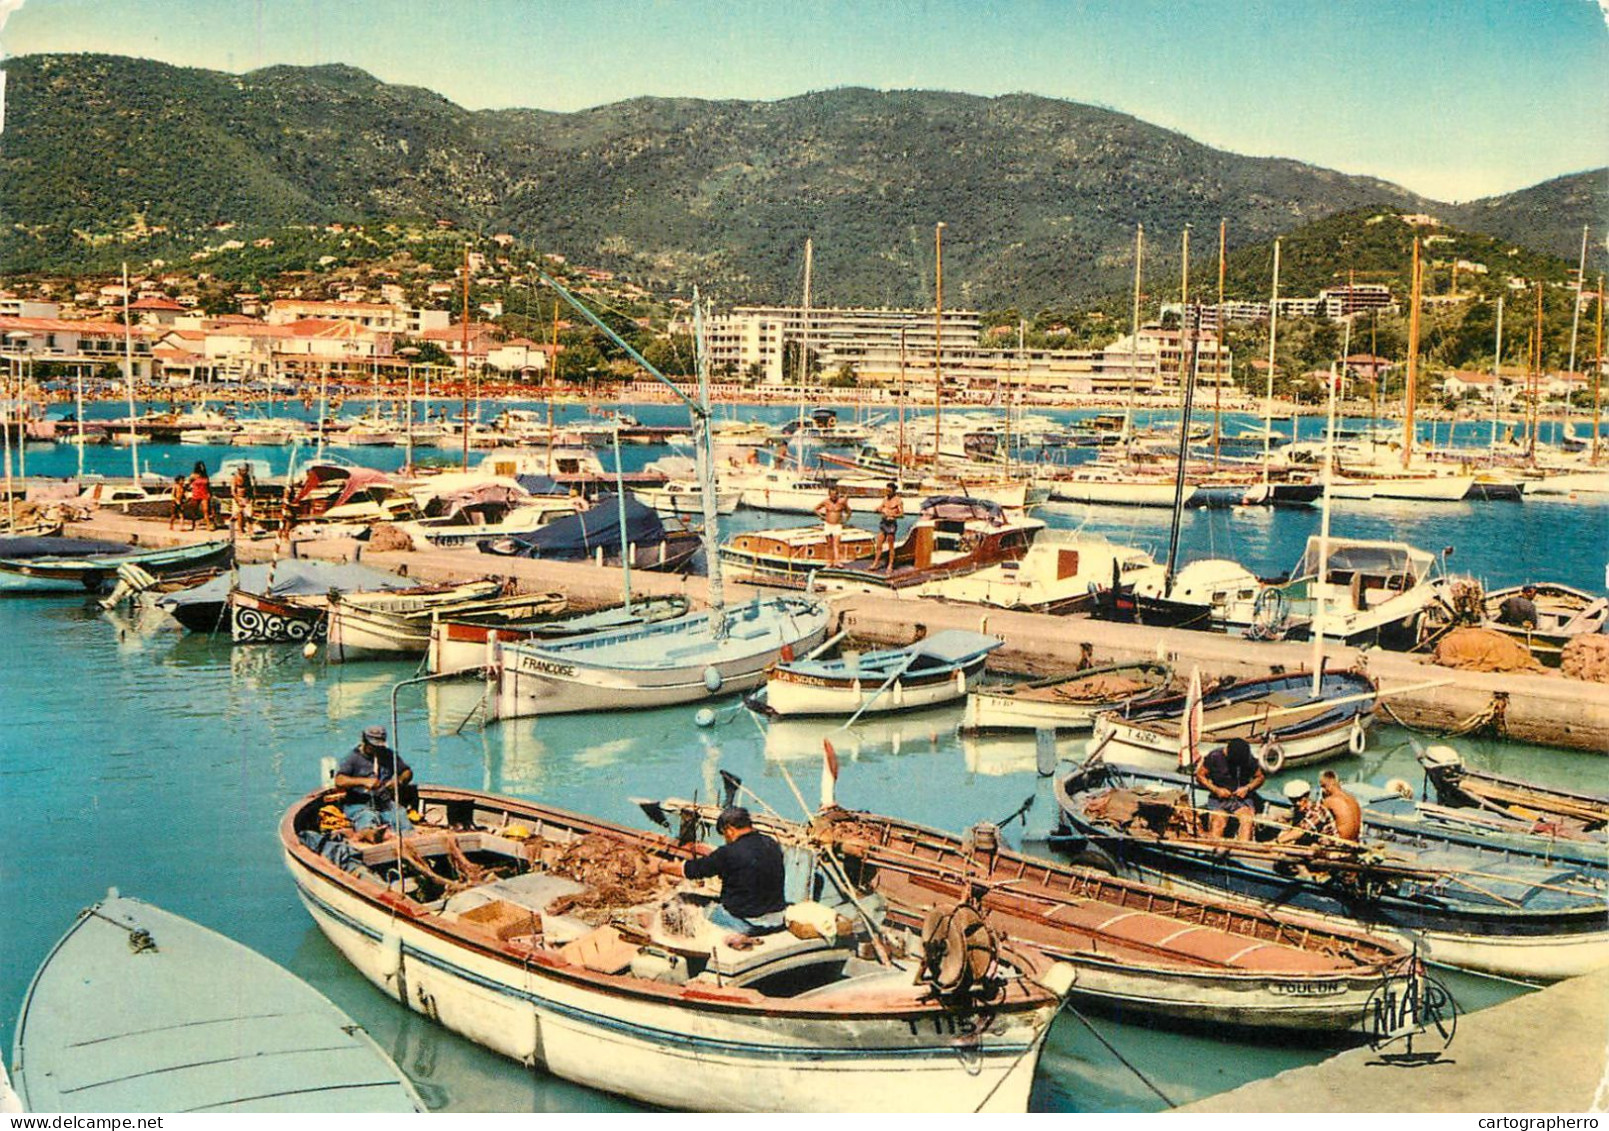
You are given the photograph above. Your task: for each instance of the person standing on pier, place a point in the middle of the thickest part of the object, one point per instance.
(831, 511)
(889, 511)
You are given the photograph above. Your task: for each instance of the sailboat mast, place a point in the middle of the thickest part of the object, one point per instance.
(899, 456)
(1597, 375)
(1317, 628)
(705, 456)
(1534, 410)
(1188, 379)
(938, 337)
(620, 510)
(1218, 353)
(1413, 359)
(1268, 395)
(128, 361)
(1575, 328)
(464, 346)
(553, 366)
(1134, 330)
(804, 353)
(1497, 370)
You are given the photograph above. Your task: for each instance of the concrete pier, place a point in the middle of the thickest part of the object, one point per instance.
(1544, 1052)
(1546, 709)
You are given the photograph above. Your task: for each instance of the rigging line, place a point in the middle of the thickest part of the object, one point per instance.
(1121, 1059)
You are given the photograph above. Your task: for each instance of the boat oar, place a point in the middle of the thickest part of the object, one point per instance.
(887, 683)
(1022, 811)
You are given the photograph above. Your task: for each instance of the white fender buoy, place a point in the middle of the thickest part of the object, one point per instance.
(1271, 757)
(390, 956)
(309, 650)
(712, 679)
(1358, 739)
(326, 771)
(960, 682)
(704, 717)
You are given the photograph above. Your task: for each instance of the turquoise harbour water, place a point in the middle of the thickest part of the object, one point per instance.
(140, 757)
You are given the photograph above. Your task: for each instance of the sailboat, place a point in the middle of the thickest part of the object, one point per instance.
(713, 651)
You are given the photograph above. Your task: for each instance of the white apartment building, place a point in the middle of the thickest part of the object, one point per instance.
(377, 316)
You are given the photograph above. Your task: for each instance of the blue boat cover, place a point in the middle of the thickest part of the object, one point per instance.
(579, 535)
(21, 549)
(956, 645)
(960, 508)
(294, 577)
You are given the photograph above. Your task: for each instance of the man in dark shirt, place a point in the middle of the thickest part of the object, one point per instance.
(1230, 775)
(750, 867)
(1519, 611)
(370, 774)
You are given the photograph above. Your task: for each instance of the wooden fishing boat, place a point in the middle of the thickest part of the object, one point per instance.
(1285, 723)
(1497, 907)
(1545, 810)
(139, 1010)
(383, 626)
(551, 938)
(1562, 614)
(1067, 701)
(464, 643)
(286, 611)
(788, 556)
(953, 536)
(1137, 949)
(936, 669)
(70, 572)
(679, 660)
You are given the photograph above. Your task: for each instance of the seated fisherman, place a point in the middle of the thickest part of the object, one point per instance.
(1230, 774)
(371, 775)
(751, 870)
(1309, 820)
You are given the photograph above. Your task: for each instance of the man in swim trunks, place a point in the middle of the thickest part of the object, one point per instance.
(889, 511)
(831, 511)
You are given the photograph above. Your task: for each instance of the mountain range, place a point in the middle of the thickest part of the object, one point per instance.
(107, 157)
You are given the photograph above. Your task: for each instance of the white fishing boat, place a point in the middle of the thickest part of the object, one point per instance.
(936, 669)
(1068, 701)
(388, 626)
(1281, 716)
(461, 643)
(512, 936)
(1110, 487)
(681, 660)
(139, 1010)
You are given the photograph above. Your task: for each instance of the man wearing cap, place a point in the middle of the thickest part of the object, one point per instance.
(1230, 775)
(371, 775)
(1308, 818)
(751, 871)
(1519, 611)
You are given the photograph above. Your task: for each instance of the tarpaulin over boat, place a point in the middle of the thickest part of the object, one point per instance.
(579, 535)
(1375, 559)
(291, 578)
(961, 508)
(21, 549)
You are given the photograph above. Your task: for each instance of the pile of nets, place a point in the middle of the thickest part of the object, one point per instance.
(616, 875)
(1587, 657)
(1484, 650)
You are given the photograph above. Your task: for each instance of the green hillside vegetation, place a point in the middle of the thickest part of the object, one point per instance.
(106, 158)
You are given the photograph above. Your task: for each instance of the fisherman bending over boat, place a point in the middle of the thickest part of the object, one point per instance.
(1308, 819)
(1519, 611)
(371, 775)
(750, 867)
(1231, 775)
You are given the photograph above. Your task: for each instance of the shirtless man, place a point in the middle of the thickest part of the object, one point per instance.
(1342, 805)
(889, 511)
(831, 511)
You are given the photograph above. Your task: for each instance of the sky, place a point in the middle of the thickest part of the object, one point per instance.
(1453, 99)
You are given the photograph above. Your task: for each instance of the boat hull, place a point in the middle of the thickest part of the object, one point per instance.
(676, 661)
(258, 619)
(789, 695)
(1038, 706)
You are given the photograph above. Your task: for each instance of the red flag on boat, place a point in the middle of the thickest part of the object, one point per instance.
(829, 773)
(1190, 722)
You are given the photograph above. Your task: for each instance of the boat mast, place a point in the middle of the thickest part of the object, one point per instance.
(1497, 371)
(1218, 353)
(1268, 395)
(553, 366)
(899, 456)
(78, 414)
(1134, 331)
(128, 361)
(804, 354)
(1597, 375)
(938, 337)
(464, 346)
(1413, 359)
(1317, 630)
(1533, 412)
(620, 510)
(1187, 385)
(1575, 327)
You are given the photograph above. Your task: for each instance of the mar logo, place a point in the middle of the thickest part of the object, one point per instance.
(1410, 1019)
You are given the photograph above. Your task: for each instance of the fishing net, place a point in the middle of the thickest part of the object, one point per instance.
(1586, 657)
(1483, 650)
(617, 876)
